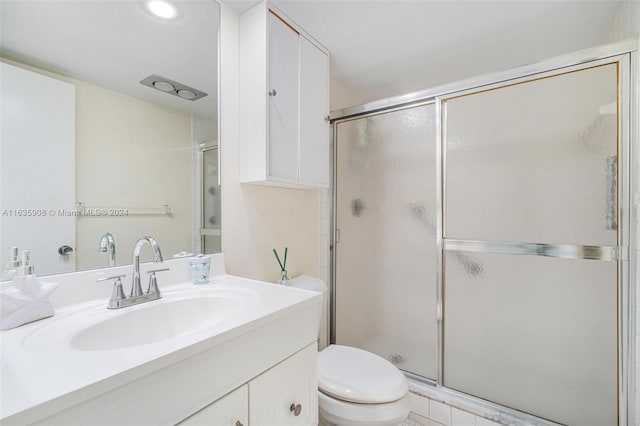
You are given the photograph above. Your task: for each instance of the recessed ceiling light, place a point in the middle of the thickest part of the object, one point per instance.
(164, 86)
(162, 9)
(173, 87)
(187, 94)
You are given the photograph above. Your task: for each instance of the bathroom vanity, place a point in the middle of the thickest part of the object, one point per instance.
(234, 351)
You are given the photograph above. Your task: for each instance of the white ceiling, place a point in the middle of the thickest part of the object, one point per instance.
(378, 48)
(388, 48)
(115, 44)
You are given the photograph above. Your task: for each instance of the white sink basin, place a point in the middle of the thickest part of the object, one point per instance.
(177, 314)
(155, 322)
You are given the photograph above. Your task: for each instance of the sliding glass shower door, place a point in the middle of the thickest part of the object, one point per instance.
(531, 194)
(481, 240)
(386, 221)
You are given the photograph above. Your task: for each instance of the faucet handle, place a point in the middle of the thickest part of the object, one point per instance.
(118, 293)
(153, 282)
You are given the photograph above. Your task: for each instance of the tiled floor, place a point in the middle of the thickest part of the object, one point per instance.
(416, 420)
(411, 422)
(427, 412)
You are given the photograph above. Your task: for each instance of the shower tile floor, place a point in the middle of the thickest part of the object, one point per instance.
(427, 412)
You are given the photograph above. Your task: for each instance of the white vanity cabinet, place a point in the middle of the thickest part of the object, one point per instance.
(284, 395)
(284, 102)
(247, 363)
(287, 394)
(230, 410)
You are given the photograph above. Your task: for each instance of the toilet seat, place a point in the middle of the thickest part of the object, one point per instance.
(357, 376)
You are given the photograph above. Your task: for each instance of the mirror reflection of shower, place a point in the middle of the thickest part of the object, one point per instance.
(211, 200)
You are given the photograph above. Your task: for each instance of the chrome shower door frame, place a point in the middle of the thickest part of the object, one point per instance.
(625, 54)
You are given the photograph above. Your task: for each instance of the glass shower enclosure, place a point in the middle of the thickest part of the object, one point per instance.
(480, 240)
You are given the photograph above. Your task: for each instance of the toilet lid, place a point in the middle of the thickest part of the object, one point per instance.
(355, 375)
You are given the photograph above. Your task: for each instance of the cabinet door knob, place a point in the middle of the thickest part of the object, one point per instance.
(272, 92)
(239, 423)
(296, 409)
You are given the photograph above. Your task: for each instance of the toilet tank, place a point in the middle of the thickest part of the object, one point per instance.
(307, 282)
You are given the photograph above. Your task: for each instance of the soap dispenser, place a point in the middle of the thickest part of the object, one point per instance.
(25, 268)
(12, 265)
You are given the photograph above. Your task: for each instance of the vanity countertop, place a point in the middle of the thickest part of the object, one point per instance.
(45, 370)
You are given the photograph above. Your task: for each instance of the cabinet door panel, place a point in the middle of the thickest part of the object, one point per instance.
(227, 411)
(314, 108)
(292, 382)
(283, 102)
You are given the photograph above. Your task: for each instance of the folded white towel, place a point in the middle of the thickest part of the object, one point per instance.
(26, 300)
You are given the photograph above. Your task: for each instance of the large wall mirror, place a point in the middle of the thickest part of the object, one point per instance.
(109, 125)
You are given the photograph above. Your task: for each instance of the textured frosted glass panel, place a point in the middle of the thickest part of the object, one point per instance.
(212, 244)
(211, 198)
(533, 333)
(211, 188)
(534, 162)
(386, 256)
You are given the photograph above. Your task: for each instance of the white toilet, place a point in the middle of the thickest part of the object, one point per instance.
(356, 387)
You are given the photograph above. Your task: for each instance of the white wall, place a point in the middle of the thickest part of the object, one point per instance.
(131, 154)
(626, 23)
(256, 218)
(342, 96)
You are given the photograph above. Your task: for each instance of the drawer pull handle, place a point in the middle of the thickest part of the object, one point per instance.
(296, 409)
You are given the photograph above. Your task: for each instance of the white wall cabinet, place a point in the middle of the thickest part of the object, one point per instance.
(284, 102)
(284, 395)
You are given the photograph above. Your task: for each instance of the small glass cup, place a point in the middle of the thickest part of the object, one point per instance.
(284, 279)
(200, 269)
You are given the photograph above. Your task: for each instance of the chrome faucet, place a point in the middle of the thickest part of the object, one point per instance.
(136, 288)
(118, 298)
(108, 244)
